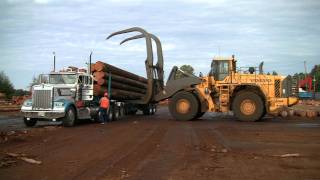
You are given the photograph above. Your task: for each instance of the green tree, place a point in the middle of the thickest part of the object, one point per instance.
(315, 74)
(188, 69)
(274, 73)
(34, 81)
(6, 86)
(20, 92)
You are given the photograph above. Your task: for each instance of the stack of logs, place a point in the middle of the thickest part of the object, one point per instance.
(124, 85)
(305, 108)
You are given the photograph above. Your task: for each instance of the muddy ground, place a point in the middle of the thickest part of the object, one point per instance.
(158, 147)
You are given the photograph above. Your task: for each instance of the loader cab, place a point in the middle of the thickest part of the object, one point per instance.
(222, 67)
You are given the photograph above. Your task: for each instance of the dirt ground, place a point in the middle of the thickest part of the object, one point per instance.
(158, 147)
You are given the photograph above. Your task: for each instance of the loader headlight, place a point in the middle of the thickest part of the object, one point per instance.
(58, 104)
(206, 90)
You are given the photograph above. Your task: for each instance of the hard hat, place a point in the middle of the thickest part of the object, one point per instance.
(105, 94)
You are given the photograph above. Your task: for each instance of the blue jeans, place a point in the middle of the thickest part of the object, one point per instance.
(103, 115)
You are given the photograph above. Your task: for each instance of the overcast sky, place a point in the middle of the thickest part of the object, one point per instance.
(281, 33)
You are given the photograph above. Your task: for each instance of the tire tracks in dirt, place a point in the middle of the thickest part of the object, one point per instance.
(120, 166)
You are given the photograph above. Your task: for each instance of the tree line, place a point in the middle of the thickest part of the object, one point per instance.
(7, 88)
(314, 74)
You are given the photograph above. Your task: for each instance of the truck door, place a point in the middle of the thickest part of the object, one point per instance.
(87, 88)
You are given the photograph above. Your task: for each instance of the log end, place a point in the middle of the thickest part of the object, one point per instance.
(98, 75)
(99, 66)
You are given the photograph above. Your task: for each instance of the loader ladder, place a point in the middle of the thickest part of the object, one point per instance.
(224, 98)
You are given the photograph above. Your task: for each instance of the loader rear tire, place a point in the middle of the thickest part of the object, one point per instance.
(248, 106)
(184, 106)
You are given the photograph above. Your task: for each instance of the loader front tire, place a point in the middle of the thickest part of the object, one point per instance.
(184, 106)
(248, 106)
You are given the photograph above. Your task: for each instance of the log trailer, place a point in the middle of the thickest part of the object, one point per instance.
(250, 95)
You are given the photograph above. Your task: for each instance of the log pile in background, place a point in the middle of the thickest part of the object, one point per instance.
(305, 109)
(124, 85)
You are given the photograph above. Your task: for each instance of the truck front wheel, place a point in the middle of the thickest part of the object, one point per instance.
(30, 123)
(248, 106)
(70, 117)
(184, 106)
(149, 109)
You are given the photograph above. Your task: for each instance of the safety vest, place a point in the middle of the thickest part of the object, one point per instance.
(104, 103)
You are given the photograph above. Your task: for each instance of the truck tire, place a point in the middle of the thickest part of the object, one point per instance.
(248, 106)
(184, 106)
(70, 118)
(110, 113)
(154, 109)
(148, 110)
(122, 111)
(116, 113)
(30, 123)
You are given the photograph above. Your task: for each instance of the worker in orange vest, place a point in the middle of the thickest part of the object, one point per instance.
(104, 105)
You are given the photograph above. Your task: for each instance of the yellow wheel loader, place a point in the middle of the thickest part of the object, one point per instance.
(245, 91)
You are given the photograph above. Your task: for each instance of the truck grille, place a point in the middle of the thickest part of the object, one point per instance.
(42, 99)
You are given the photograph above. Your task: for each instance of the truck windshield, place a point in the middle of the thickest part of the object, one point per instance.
(62, 78)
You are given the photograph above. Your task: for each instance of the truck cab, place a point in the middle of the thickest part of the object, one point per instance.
(61, 96)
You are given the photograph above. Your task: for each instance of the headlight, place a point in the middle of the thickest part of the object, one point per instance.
(58, 104)
(27, 103)
(206, 90)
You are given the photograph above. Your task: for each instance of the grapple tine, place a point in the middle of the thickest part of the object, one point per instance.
(159, 64)
(149, 61)
(128, 31)
(160, 57)
(132, 38)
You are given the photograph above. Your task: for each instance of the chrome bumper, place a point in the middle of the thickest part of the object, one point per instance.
(43, 114)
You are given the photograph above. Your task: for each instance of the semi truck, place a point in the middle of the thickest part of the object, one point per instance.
(73, 95)
(69, 97)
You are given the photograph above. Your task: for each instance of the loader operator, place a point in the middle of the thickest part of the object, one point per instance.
(104, 105)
